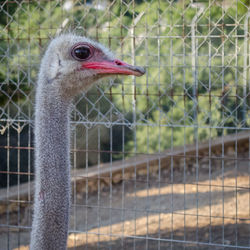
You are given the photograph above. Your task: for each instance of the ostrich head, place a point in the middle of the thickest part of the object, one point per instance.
(73, 63)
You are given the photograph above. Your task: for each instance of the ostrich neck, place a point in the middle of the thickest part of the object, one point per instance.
(52, 167)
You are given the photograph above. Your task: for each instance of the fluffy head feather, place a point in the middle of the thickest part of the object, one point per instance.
(68, 75)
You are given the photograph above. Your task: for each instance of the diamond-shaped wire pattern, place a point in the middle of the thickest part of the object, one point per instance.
(196, 87)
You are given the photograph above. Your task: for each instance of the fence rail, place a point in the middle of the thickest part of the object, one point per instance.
(142, 165)
(158, 162)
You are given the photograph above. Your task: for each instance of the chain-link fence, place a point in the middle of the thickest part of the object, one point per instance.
(158, 162)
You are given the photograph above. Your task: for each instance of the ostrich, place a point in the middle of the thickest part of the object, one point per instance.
(70, 65)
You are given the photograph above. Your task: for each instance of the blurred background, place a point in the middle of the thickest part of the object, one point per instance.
(194, 100)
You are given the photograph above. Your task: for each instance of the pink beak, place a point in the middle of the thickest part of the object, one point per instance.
(115, 67)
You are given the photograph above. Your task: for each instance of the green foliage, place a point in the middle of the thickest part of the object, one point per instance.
(179, 93)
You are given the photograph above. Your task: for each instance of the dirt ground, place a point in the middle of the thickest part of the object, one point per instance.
(193, 209)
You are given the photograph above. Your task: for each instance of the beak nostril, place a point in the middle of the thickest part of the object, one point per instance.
(117, 62)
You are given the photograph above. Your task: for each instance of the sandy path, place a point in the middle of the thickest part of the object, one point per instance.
(148, 214)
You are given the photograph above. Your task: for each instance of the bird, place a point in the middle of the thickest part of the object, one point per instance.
(71, 64)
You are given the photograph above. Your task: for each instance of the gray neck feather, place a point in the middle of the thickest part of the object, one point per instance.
(52, 168)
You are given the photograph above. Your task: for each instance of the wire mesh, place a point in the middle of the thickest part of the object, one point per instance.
(159, 162)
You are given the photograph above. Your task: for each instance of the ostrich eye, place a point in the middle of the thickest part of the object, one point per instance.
(81, 52)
